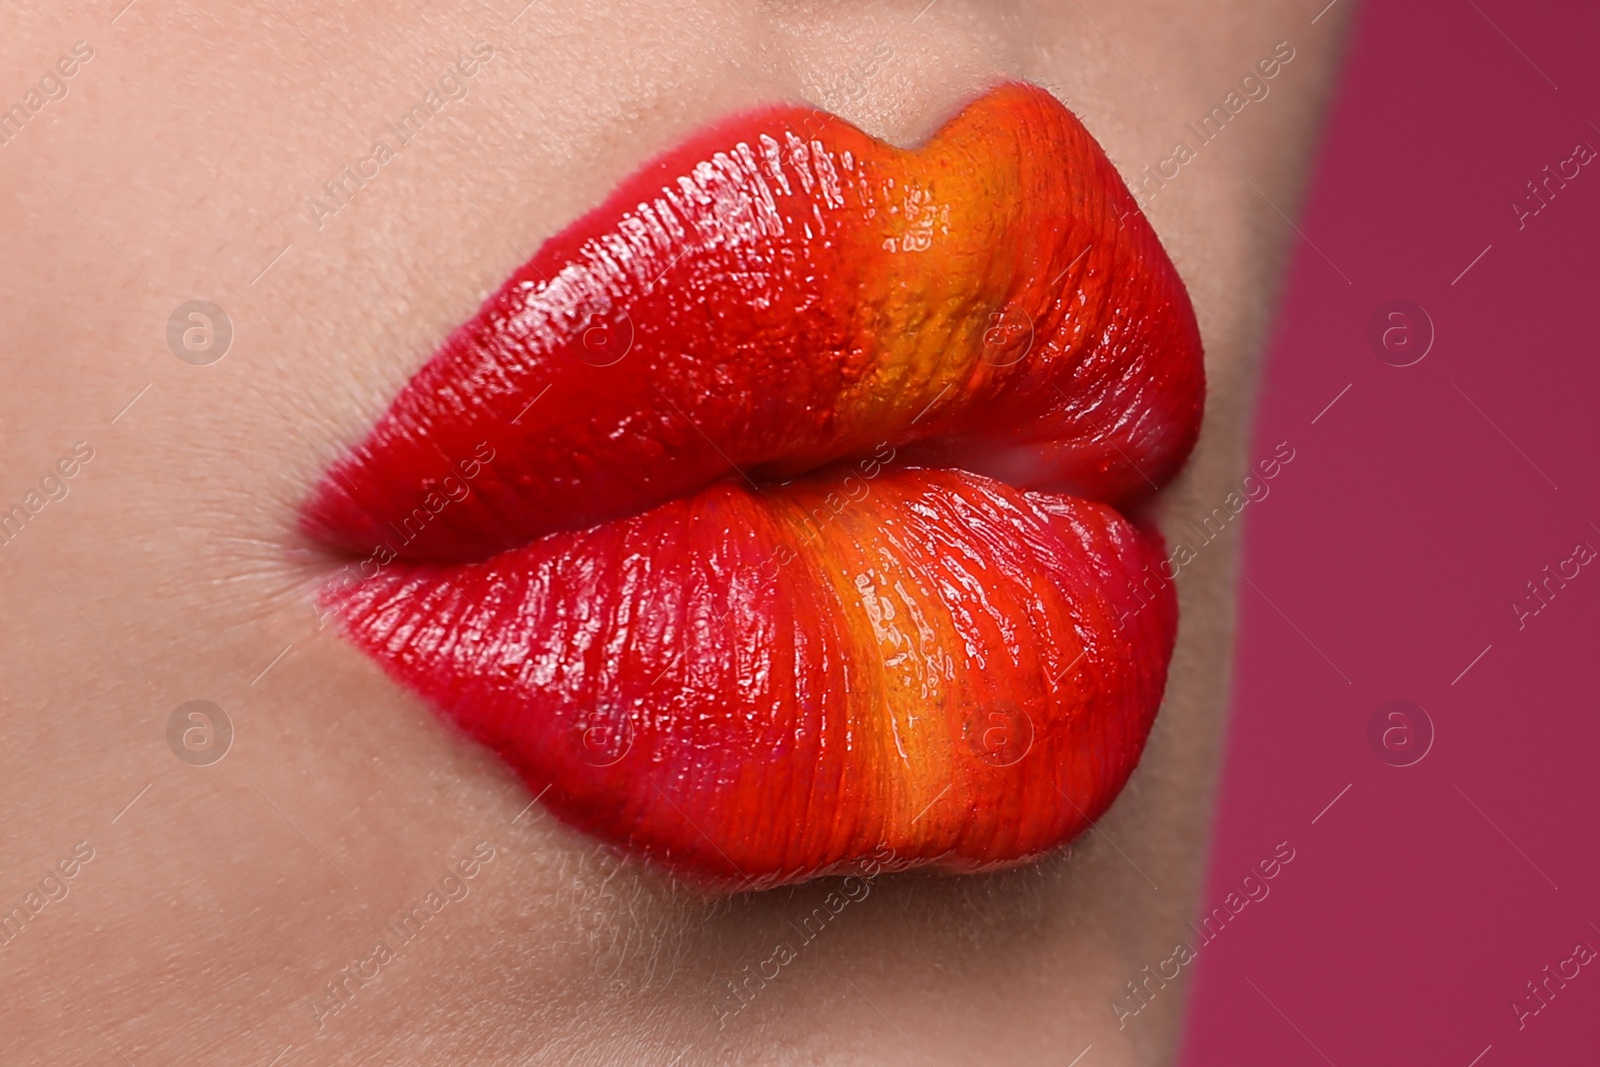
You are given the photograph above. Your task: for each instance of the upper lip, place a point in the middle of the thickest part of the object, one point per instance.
(721, 314)
(778, 294)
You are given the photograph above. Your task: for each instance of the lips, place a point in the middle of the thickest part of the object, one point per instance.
(767, 519)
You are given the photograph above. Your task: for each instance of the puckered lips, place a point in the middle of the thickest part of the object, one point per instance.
(766, 519)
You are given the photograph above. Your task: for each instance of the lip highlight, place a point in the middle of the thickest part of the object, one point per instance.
(768, 515)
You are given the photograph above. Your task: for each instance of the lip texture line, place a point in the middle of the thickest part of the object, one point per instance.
(674, 523)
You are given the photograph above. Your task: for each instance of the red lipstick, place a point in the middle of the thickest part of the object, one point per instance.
(673, 522)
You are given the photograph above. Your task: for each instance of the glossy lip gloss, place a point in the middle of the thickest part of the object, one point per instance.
(766, 519)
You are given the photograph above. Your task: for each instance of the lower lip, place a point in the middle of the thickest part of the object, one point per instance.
(755, 687)
(754, 683)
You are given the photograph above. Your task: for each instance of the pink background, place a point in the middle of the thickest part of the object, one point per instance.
(1388, 556)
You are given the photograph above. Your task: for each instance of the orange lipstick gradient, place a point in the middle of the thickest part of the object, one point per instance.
(763, 519)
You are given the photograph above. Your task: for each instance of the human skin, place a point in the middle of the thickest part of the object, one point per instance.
(221, 903)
